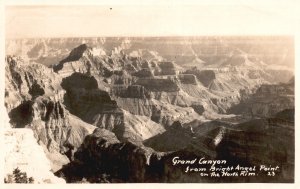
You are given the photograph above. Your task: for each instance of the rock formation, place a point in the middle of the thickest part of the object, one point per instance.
(53, 126)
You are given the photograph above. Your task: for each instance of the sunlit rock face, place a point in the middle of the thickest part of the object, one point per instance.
(22, 151)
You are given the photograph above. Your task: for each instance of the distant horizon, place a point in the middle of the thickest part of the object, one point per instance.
(258, 46)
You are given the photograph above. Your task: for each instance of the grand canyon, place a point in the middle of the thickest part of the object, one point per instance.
(119, 109)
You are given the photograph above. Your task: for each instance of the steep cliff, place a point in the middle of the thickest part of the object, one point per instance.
(53, 126)
(24, 81)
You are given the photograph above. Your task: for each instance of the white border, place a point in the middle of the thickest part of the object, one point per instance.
(293, 16)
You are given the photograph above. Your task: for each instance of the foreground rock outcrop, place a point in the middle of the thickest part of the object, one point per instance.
(22, 151)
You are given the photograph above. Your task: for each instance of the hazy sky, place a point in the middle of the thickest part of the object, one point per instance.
(141, 20)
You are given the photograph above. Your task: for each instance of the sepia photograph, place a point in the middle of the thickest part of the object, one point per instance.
(139, 93)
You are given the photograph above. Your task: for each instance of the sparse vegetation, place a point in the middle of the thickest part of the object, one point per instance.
(18, 177)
